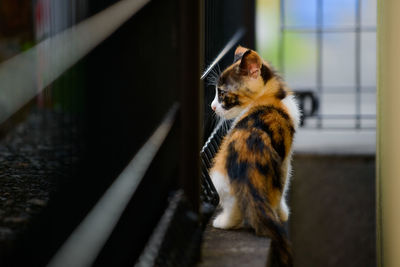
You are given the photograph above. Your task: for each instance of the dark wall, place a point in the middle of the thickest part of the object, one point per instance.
(332, 200)
(129, 82)
(221, 23)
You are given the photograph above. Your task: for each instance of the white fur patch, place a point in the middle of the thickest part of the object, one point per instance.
(214, 104)
(294, 112)
(230, 216)
(221, 183)
(286, 170)
(232, 113)
(293, 109)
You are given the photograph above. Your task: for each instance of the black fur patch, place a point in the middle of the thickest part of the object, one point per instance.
(277, 144)
(281, 94)
(237, 171)
(284, 115)
(266, 73)
(227, 100)
(230, 102)
(255, 143)
(262, 168)
(276, 167)
(244, 123)
(255, 194)
(280, 111)
(265, 170)
(254, 120)
(221, 95)
(280, 144)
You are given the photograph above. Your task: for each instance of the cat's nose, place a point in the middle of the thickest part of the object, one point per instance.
(213, 107)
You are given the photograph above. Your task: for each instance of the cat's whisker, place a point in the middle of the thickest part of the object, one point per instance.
(215, 71)
(212, 78)
(218, 70)
(213, 74)
(211, 82)
(216, 117)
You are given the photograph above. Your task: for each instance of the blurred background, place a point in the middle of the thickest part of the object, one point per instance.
(85, 84)
(328, 49)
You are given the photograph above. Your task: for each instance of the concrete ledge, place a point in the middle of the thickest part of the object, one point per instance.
(233, 248)
(339, 142)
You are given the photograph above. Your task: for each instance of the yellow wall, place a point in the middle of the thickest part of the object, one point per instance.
(388, 153)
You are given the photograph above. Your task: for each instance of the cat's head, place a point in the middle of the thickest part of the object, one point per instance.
(241, 83)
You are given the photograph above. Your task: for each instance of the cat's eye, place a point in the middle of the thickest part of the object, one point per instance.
(221, 91)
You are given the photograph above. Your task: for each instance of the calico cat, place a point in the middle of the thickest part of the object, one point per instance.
(252, 168)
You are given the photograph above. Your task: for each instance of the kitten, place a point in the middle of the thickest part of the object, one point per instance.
(251, 170)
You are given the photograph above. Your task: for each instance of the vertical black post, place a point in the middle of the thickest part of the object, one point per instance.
(320, 42)
(282, 37)
(191, 96)
(250, 21)
(358, 64)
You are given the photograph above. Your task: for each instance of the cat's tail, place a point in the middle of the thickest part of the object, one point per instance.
(265, 222)
(280, 253)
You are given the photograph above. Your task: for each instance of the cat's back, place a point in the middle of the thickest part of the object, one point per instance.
(267, 126)
(261, 138)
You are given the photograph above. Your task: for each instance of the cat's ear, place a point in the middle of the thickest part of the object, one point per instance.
(251, 64)
(240, 50)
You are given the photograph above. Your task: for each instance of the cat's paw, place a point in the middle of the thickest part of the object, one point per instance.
(222, 222)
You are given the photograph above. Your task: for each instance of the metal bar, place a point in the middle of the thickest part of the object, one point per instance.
(320, 41)
(358, 64)
(19, 77)
(153, 246)
(345, 116)
(86, 241)
(191, 97)
(339, 128)
(282, 38)
(213, 133)
(300, 29)
(250, 20)
(234, 40)
(339, 89)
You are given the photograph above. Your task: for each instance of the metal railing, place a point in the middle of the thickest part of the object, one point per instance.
(56, 54)
(136, 195)
(321, 90)
(125, 189)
